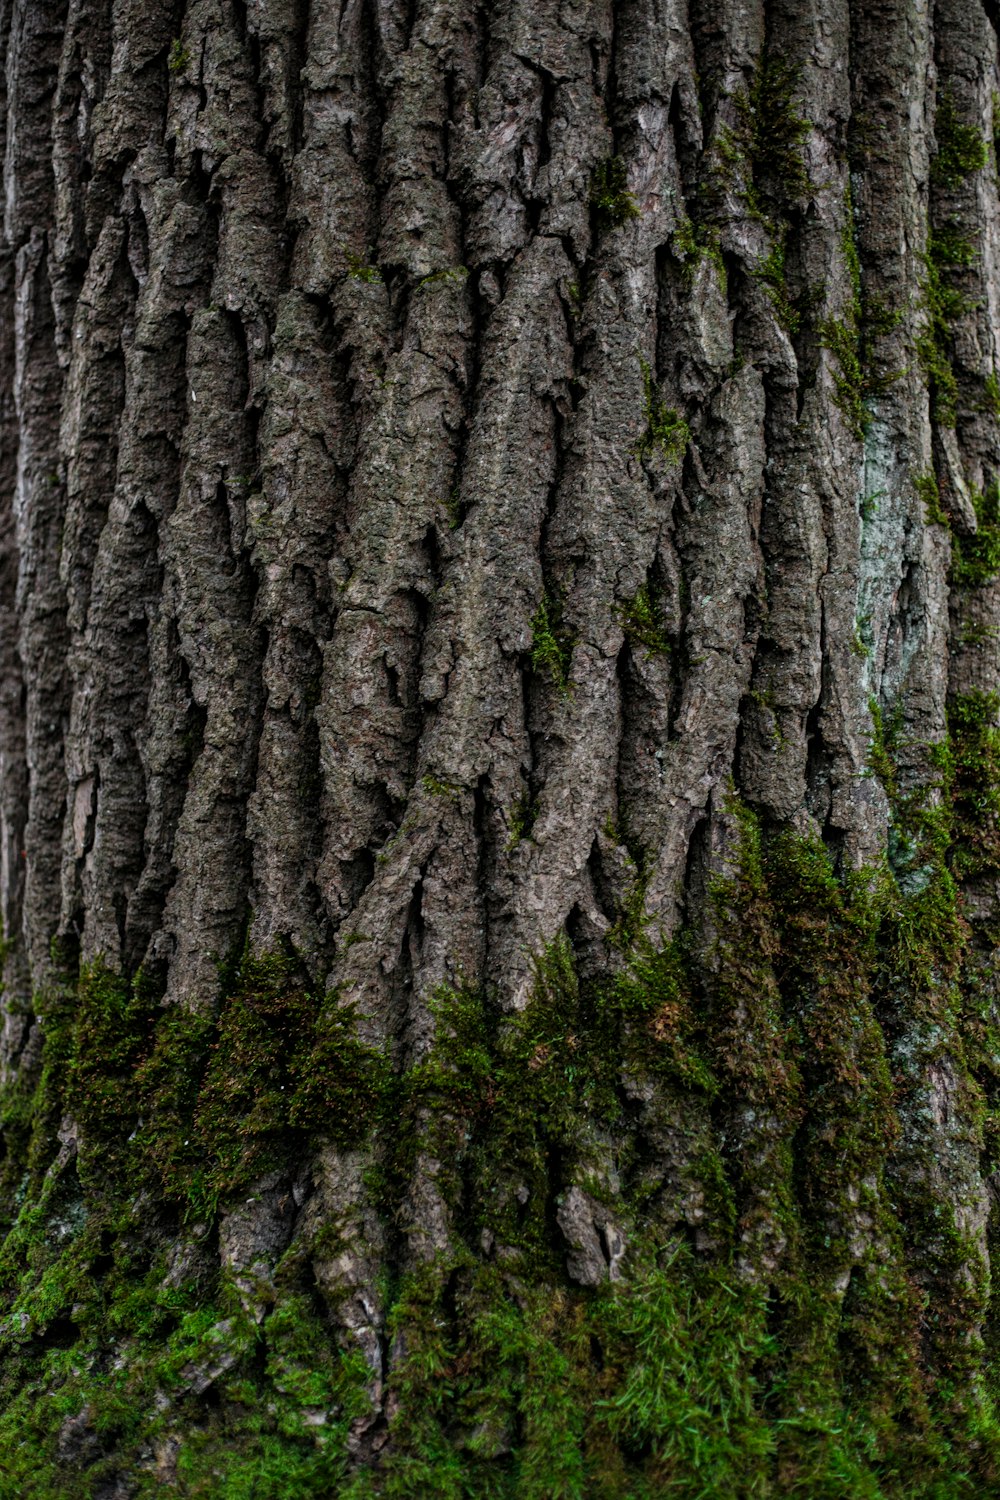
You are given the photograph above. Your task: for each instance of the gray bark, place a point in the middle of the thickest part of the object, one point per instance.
(329, 383)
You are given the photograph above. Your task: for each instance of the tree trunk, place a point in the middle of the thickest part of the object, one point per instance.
(499, 748)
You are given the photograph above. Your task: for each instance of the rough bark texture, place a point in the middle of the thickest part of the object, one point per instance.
(499, 748)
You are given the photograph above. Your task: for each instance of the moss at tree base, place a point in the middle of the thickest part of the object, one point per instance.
(711, 1233)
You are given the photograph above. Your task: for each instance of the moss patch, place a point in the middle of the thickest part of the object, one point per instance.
(942, 304)
(852, 338)
(551, 646)
(961, 148)
(643, 622)
(929, 494)
(765, 145)
(976, 557)
(792, 1300)
(665, 429)
(610, 197)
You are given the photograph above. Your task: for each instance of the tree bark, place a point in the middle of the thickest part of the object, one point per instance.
(499, 748)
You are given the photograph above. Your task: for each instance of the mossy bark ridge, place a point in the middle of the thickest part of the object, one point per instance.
(499, 749)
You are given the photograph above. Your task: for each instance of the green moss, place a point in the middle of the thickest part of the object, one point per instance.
(991, 395)
(522, 819)
(882, 748)
(766, 143)
(850, 338)
(976, 558)
(112, 1030)
(690, 243)
(664, 428)
(859, 646)
(479, 1368)
(179, 56)
(942, 303)
(174, 1111)
(840, 336)
(611, 200)
(976, 633)
(744, 1106)
(449, 276)
(933, 350)
(202, 1104)
(551, 646)
(630, 915)
(689, 1372)
(643, 622)
(771, 271)
(454, 509)
(961, 149)
(947, 248)
(975, 781)
(285, 1062)
(358, 269)
(839, 943)
(274, 1381)
(929, 495)
(686, 1345)
(880, 319)
(438, 788)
